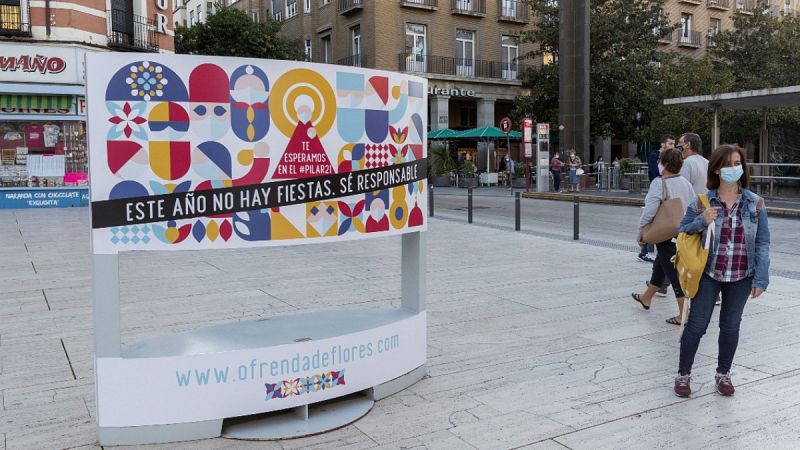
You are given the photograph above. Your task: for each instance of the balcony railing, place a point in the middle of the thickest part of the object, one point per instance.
(692, 2)
(348, 6)
(468, 7)
(130, 32)
(359, 60)
(689, 38)
(719, 4)
(472, 68)
(422, 4)
(745, 6)
(513, 11)
(15, 19)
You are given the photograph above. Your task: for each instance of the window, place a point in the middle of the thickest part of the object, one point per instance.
(355, 35)
(464, 5)
(465, 53)
(291, 8)
(509, 8)
(308, 49)
(549, 56)
(686, 28)
(209, 9)
(325, 2)
(254, 16)
(713, 29)
(326, 49)
(307, 6)
(199, 13)
(12, 16)
(415, 47)
(192, 19)
(510, 50)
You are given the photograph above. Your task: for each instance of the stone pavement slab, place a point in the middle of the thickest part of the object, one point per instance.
(533, 342)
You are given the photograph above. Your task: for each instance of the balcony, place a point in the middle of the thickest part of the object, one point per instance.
(692, 39)
(346, 7)
(745, 6)
(691, 2)
(470, 68)
(129, 32)
(468, 7)
(512, 11)
(430, 5)
(15, 19)
(722, 5)
(359, 60)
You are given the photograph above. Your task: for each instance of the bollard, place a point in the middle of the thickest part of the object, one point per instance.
(430, 199)
(576, 217)
(516, 211)
(469, 205)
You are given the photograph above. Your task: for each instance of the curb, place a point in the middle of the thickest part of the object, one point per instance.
(626, 201)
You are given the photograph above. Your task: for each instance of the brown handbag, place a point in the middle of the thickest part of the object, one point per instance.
(664, 225)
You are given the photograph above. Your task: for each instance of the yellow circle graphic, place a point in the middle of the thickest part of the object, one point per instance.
(296, 83)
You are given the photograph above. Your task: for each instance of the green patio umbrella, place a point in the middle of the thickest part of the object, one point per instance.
(487, 133)
(445, 133)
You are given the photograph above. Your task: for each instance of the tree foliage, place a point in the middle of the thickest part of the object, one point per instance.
(624, 61)
(230, 32)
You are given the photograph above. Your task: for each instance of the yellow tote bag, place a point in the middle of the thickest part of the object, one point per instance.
(691, 256)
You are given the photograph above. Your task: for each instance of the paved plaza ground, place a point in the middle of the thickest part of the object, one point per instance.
(533, 339)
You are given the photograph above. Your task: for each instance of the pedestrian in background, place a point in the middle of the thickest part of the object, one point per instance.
(737, 266)
(654, 168)
(695, 167)
(510, 168)
(555, 169)
(599, 169)
(663, 267)
(574, 164)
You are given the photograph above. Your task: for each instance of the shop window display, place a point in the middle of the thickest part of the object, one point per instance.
(43, 154)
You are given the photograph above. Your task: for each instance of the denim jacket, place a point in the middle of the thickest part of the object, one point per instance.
(756, 233)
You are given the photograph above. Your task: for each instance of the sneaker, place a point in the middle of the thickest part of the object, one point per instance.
(724, 385)
(719, 301)
(661, 292)
(682, 387)
(645, 259)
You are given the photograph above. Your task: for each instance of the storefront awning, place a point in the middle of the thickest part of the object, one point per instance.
(36, 101)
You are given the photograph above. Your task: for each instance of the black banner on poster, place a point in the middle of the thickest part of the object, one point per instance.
(187, 205)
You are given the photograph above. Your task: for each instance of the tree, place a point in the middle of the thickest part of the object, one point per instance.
(624, 61)
(230, 32)
(761, 49)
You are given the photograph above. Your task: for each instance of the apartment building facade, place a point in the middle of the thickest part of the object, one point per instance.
(43, 154)
(467, 49)
(699, 20)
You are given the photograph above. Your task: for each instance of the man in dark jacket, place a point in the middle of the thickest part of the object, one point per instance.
(653, 172)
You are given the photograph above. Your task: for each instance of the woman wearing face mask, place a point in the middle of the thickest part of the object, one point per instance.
(738, 262)
(574, 164)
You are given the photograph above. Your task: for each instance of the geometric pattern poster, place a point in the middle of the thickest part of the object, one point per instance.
(195, 152)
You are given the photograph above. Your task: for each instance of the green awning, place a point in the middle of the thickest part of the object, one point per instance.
(36, 101)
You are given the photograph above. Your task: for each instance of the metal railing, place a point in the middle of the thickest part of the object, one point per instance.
(468, 6)
(359, 60)
(445, 65)
(346, 6)
(689, 38)
(15, 19)
(769, 176)
(513, 10)
(130, 32)
(420, 3)
(719, 4)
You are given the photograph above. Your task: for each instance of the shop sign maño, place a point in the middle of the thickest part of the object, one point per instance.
(43, 64)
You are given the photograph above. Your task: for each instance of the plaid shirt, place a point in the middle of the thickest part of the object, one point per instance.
(731, 257)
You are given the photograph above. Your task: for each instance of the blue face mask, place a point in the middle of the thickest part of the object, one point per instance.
(731, 175)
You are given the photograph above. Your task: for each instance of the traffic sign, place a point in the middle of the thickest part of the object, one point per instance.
(505, 125)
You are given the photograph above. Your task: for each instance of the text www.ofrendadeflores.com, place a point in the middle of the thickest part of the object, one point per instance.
(257, 370)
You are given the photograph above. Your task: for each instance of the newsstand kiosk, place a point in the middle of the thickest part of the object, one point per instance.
(203, 153)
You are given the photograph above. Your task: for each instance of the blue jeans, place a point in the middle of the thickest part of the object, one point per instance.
(556, 180)
(734, 297)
